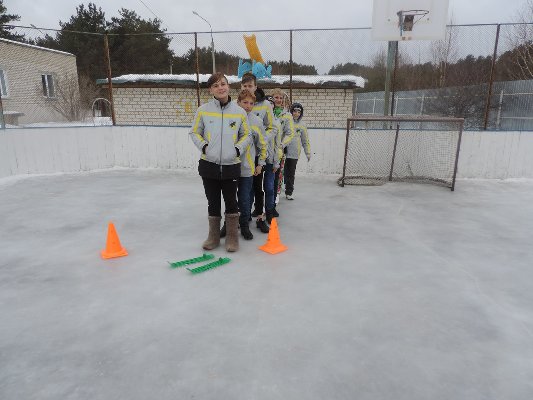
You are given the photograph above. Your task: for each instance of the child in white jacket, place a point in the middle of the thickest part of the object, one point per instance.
(301, 140)
(220, 132)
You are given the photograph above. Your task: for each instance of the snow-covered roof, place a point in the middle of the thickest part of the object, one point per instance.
(316, 80)
(36, 47)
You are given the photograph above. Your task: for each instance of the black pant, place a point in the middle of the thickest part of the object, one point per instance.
(259, 196)
(213, 188)
(290, 171)
(276, 184)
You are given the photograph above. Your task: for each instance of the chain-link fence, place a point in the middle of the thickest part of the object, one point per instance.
(483, 73)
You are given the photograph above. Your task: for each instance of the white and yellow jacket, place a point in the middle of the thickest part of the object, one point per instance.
(275, 152)
(287, 133)
(258, 146)
(287, 126)
(223, 129)
(263, 111)
(301, 140)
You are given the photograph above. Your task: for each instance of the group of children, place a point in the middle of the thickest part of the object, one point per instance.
(244, 145)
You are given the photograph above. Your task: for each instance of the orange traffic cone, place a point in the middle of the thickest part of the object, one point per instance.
(113, 247)
(273, 244)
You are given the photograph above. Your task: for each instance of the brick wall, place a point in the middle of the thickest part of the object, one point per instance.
(324, 108)
(23, 66)
(156, 106)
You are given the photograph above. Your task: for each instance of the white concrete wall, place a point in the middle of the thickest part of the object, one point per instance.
(497, 155)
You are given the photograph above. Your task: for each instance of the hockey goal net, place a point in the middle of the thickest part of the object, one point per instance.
(406, 149)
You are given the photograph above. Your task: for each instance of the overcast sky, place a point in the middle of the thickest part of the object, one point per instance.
(253, 15)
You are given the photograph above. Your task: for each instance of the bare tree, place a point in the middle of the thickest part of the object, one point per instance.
(466, 102)
(444, 52)
(520, 40)
(461, 82)
(376, 74)
(73, 98)
(88, 93)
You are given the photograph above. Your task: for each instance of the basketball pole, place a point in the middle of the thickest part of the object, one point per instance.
(391, 61)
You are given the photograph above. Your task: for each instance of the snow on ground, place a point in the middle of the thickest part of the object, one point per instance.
(401, 291)
(91, 121)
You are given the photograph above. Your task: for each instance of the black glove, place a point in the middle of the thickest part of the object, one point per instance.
(285, 150)
(203, 148)
(238, 152)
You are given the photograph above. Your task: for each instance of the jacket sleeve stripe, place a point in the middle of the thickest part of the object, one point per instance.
(245, 128)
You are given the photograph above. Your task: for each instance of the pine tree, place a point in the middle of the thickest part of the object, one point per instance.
(148, 53)
(140, 54)
(88, 49)
(6, 19)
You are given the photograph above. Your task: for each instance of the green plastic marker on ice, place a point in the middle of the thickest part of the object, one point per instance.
(204, 257)
(211, 265)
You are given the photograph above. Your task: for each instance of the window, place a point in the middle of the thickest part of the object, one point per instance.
(48, 86)
(3, 83)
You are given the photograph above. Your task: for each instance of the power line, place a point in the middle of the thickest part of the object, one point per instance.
(155, 15)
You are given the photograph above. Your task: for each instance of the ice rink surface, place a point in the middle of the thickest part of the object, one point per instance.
(401, 292)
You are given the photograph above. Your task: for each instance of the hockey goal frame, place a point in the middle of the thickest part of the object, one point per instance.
(392, 123)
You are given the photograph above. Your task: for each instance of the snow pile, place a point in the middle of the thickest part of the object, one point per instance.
(348, 80)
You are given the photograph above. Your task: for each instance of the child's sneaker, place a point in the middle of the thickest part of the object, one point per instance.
(289, 197)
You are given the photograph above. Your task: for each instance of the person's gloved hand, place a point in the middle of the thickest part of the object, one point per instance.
(204, 148)
(285, 150)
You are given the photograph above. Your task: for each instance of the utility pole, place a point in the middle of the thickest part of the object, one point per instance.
(212, 42)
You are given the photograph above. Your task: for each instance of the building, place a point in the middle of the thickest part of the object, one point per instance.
(172, 99)
(34, 81)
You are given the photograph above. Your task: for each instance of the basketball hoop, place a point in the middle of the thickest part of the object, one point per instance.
(397, 20)
(407, 18)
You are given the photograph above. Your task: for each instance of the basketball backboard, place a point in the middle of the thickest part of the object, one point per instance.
(397, 20)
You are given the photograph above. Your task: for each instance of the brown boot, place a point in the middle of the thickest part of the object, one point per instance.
(213, 239)
(232, 233)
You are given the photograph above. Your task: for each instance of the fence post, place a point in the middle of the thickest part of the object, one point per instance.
(491, 79)
(290, 68)
(109, 83)
(197, 68)
(2, 123)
